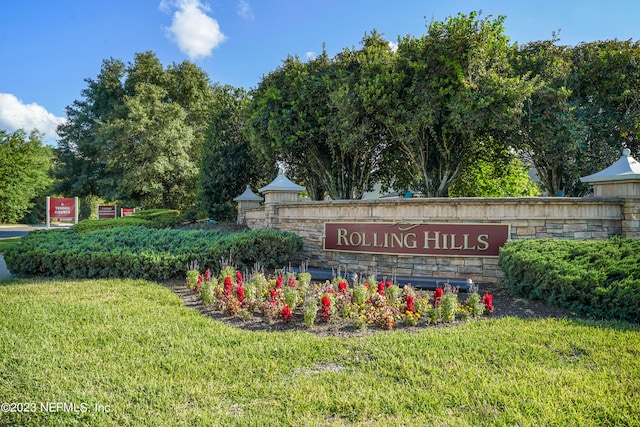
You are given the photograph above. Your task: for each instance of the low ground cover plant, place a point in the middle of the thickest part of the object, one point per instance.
(288, 297)
(138, 252)
(598, 278)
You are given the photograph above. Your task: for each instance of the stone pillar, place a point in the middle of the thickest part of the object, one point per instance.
(631, 218)
(247, 200)
(279, 190)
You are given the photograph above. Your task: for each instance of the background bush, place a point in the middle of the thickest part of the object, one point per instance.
(151, 218)
(599, 278)
(139, 252)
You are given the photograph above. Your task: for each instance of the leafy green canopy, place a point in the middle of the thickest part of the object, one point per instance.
(227, 165)
(136, 136)
(583, 111)
(411, 117)
(25, 166)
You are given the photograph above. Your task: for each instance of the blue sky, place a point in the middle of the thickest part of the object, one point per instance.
(48, 48)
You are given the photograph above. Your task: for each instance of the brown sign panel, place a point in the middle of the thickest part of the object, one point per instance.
(416, 239)
(106, 212)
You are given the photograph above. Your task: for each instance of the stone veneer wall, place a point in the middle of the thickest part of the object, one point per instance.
(562, 218)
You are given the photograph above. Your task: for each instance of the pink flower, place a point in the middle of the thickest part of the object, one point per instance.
(389, 283)
(292, 282)
(238, 277)
(240, 292)
(207, 275)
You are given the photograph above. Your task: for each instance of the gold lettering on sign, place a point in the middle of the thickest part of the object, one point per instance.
(466, 247)
(435, 239)
(453, 243)
(397, 239)
(483, 245)
(342, 237)
(410, 240)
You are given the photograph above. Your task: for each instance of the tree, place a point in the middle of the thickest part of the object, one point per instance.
(25, 167)
(228, 165)
(81, 159)
(550, 133)
(91, 148)
(322, 119)
(287, 121)
(491, 178)
(360, 102)
(454, 90)
(149, 162)
(605, 89)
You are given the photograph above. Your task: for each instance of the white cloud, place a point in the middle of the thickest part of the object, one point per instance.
(14, 115)
(245, 11)
(195, 32)
(310, 55)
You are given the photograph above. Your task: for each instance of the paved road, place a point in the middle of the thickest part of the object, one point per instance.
(7, 231)
(4, 273)
(7, 234)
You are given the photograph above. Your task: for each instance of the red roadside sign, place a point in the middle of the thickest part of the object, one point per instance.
(62, 207)
(106, 212)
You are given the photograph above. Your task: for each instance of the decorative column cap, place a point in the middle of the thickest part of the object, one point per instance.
(282, 183)
(248, 196)
(625, 168)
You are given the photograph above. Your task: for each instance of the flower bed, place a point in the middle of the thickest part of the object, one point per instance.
(291, 297)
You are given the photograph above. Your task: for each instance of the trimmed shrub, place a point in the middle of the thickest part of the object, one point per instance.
(600, 278)
(138, 252)
(151, 218)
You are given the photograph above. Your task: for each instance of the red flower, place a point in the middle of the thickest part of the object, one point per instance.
(342, 286)
(409, 306)
(326, 301)
(240, 292)
(272, 292)
(325, 312)
(366, 284)
(228, 286)
(487, 300)
(238, 277)
(207, 275)
(381, 288)
(389, 283)
(279, 281)
(292, 282)
(285, 314)
(198, 285)
(437, 295)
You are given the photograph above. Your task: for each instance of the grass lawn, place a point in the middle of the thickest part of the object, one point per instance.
(125, 352)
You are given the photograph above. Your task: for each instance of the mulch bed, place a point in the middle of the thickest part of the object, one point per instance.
(504, 303)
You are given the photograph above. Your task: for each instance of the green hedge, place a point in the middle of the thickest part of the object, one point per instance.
(598, 278)
(138, 252)
(151, 218)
